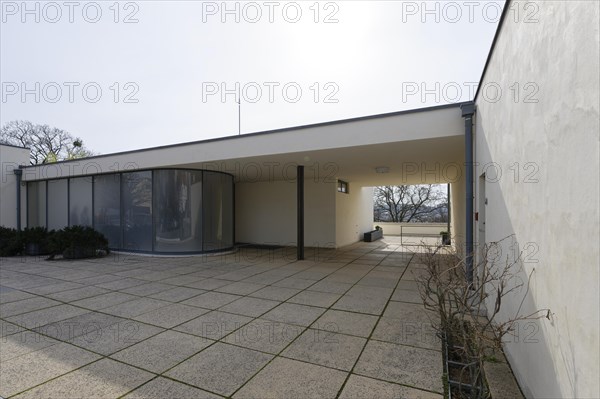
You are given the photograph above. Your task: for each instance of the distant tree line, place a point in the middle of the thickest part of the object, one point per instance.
(411, 203)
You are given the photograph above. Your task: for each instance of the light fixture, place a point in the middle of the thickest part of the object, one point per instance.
(382, 169)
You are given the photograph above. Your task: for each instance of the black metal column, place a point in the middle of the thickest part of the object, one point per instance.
(468, 109)
(300, 212)
(19, 175)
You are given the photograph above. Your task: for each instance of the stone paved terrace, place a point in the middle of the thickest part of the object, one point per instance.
(253, 324)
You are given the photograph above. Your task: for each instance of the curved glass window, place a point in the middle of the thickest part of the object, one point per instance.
(164, 211)
(136, 207)
(107, 208)
(178, 210)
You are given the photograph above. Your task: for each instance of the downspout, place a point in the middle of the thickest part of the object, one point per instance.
(19, 174)
(468, 110)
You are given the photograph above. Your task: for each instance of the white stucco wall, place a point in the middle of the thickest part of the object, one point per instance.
(354, 214)
(10, 159)
(265, 213)
(551, 206)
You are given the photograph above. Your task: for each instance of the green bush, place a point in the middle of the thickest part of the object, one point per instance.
(35, 240)
(10, 242)
(77, 242)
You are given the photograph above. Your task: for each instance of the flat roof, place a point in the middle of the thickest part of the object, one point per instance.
(268, 132)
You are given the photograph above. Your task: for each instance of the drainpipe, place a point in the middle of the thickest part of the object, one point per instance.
(468, 110)
(18, 173)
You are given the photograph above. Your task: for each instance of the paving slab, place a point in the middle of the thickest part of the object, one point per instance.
(264, 335)
(163, 351)
(314, 298)
(162, 388)
(287, 378)
(104, 301)
(415, 367)
(248, 306)
(407, 332)
(364, 300)
(171, 315)
(110, 339)
(37, 367)
(136, 307)
(26, 305)
(358, 387)
(240, 288)
(346, 323)
(41, 317)
(20, 344)
(211, 300)
(11, 295)
(326, 349)
(177, 294)
(78, 293)
(275, 293)
(102, 379)
(220, 368)
(214, 325)
(291, 313)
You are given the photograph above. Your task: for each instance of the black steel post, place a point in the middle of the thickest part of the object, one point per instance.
(19, 175)
(300, 212)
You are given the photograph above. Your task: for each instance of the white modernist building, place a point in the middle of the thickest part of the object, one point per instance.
(520, 164)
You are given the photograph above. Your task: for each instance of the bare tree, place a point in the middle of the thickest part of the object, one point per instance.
(47, 144)
(410, 203)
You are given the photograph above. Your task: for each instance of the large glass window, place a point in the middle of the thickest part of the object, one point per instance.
(107, 208)
(178, 210)
(217, 208)
(137, 210)
(80, 201)
(36, 204)
(169, 211)
(58, 212)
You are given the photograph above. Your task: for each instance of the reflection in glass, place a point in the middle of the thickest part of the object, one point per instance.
(178, 210)
(80, 201)
(36, 204)
(218, 211)
(107, 208)
(58, 195)
(137, 210)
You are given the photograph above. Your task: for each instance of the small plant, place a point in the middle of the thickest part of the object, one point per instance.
(467, 311)
(77, 242)
(10, 242)
(377, 228)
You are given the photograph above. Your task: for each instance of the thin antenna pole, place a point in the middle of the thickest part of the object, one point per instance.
(239, 116)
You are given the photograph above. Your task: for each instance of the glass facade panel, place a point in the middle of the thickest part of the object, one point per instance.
(137, 211)
(36, 204)
(163, 211)
(58, 196)
(218, 211)
(178, 210)
(80, 201)
(107, 208)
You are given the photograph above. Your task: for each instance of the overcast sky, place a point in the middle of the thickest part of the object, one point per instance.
(131, 75)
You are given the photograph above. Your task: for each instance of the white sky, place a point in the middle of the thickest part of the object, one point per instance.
(371, 57)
